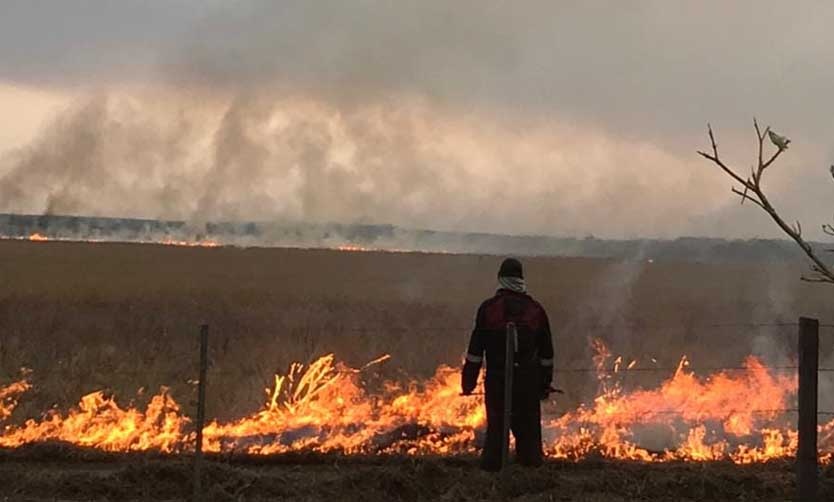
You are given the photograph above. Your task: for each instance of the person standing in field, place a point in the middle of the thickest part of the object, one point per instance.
(532, 369)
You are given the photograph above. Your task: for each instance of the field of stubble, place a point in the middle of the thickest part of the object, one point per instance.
(125, 317)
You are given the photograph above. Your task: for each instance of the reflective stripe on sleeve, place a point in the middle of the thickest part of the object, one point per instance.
(473, 359)
(546, 362)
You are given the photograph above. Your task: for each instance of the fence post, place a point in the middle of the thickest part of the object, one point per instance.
(509, 362)
(806, 456)
(201, 414)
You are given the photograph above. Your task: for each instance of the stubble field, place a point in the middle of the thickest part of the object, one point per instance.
(125, 318)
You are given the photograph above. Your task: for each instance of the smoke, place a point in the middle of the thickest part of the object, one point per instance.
(289, 157)
(654, 66)
(539, 118)
(610, 302)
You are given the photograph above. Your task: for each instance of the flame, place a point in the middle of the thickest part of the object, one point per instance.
(205, 243)
(325, 406)
(353, 248)
(167, 241)
(172, 242)
(9, 395)
(356, 248)
(99, 422)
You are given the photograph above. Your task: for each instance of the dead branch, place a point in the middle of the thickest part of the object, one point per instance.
(753, 191)
(744, 197)
(815, 279)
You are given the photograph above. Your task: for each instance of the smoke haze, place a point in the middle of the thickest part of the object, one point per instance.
(533, 117)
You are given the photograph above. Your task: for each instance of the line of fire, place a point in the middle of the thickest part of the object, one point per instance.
(744, 415)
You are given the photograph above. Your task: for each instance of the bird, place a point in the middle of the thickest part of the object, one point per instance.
(832, 170)
(781, 142)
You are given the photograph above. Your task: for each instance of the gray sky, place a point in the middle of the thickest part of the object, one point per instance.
(530, 117)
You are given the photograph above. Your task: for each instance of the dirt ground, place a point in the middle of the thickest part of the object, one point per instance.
(50, 473)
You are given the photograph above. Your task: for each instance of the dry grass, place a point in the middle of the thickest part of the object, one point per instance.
(39, 475)
(121, 316)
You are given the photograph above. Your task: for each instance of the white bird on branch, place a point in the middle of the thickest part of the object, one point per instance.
(781, 142)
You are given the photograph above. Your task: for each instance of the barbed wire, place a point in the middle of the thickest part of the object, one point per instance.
(695, 412)
(727, 412)
(574, 325)
(213, 369)
(571, 325)
(730, 411)
(672, 369)
(216, 368)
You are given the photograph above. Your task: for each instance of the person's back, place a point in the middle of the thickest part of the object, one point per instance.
(532, 369)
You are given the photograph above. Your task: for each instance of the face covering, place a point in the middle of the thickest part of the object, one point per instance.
(516, 284)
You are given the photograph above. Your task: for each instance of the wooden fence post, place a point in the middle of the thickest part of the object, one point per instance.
(201, 414)
(509, 362)
(806, 455)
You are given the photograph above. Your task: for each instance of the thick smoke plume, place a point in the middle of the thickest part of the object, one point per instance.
(283, 157)
(483, 116)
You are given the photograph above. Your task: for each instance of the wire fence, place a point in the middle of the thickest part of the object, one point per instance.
(768, 415)
(622, 370)
(625, 371)
(570, 325)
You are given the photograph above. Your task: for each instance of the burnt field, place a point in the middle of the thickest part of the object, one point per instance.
(124, 319)
(55, 472)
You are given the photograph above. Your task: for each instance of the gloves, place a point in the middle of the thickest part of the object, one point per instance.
(469, 378)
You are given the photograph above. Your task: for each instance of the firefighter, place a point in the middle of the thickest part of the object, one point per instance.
(532, 372)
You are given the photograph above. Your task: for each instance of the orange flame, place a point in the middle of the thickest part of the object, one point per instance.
(9, 395)
(167, 241)
(204, 243)
(353, 248)
(99, 422)
(324, 406)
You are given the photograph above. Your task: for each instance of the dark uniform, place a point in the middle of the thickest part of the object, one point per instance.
(533, 369)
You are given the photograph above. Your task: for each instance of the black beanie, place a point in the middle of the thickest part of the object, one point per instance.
(511, 268)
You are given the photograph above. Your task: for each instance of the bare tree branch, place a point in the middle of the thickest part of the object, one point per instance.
(760, 137)
(822, 271)
(815, 279)
(714, 158)
(744, 197)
